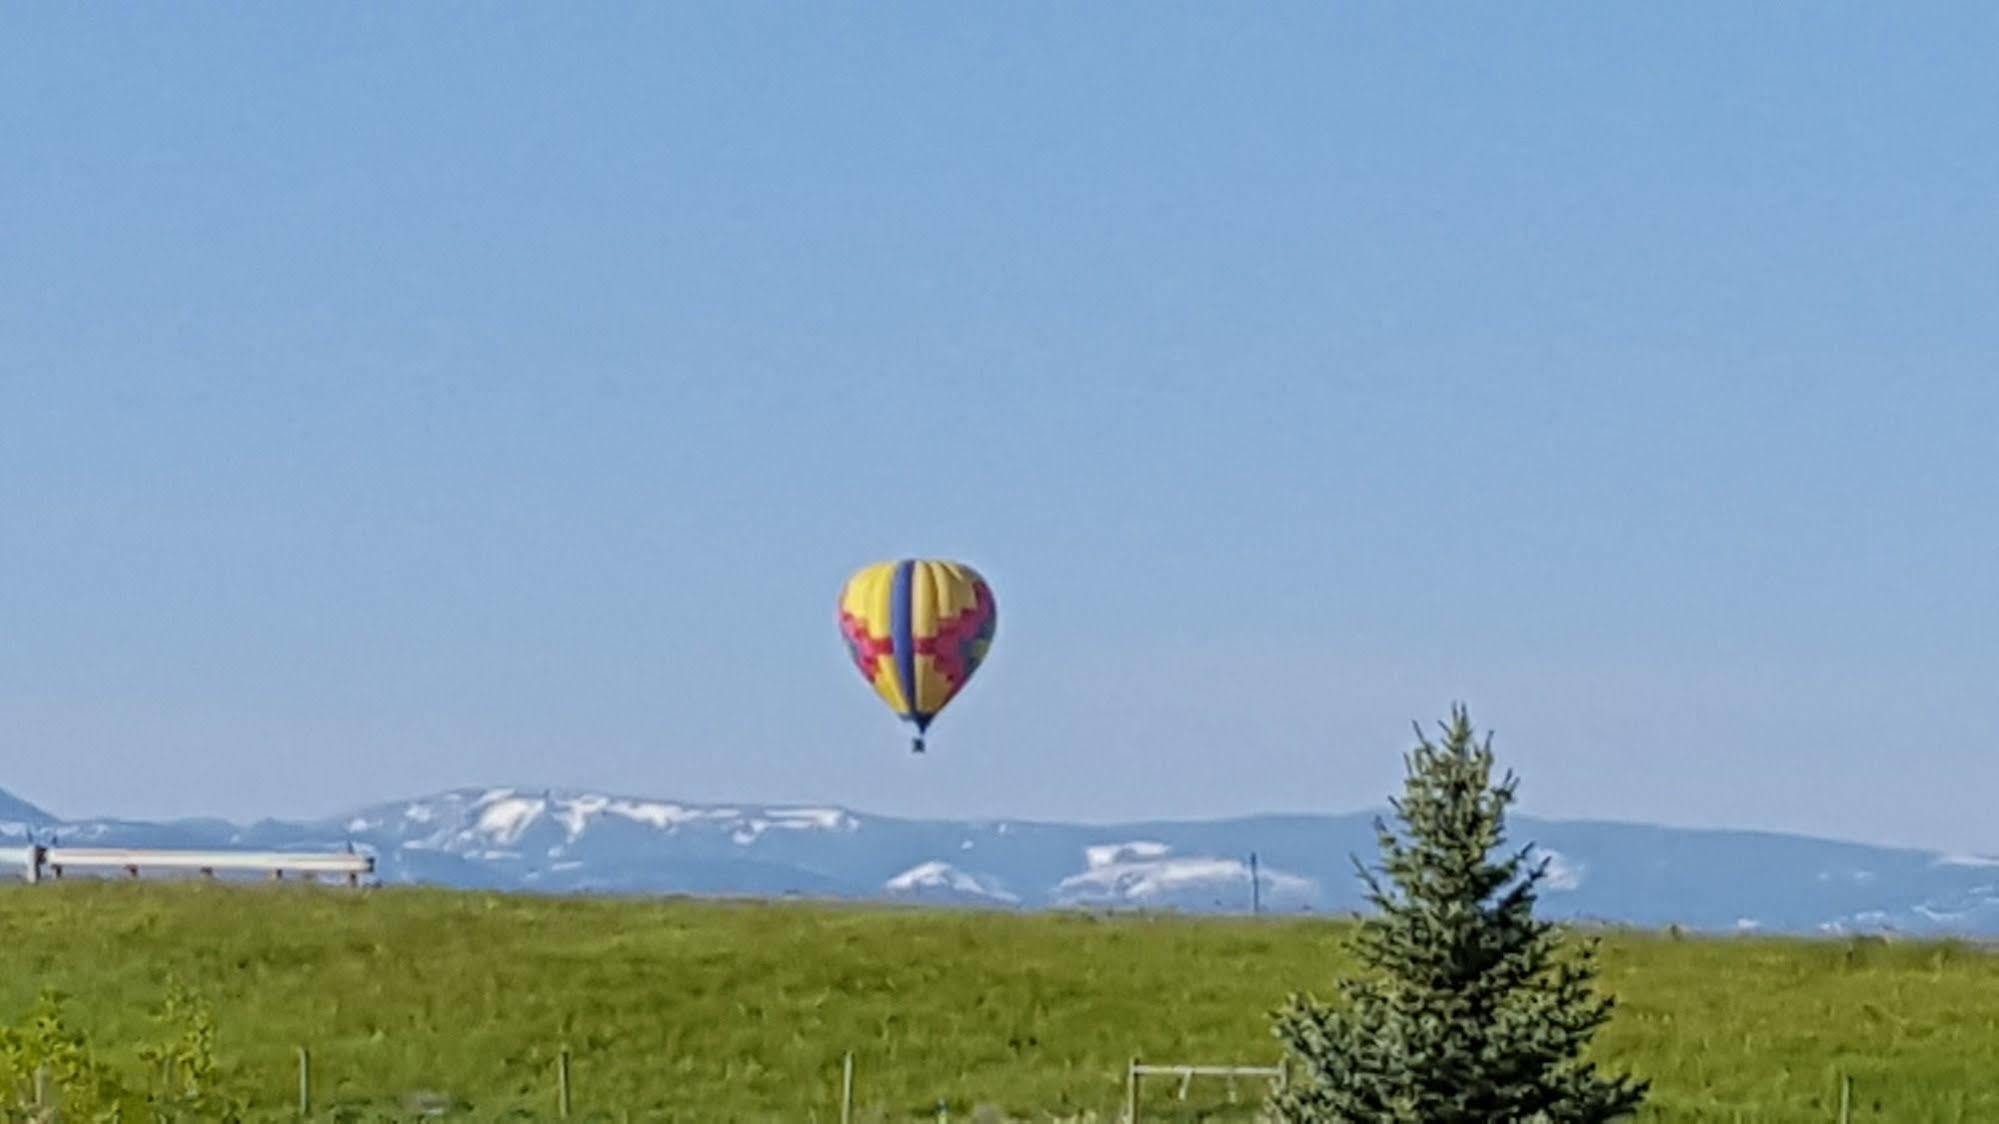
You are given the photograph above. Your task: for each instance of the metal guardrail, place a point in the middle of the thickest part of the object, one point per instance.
(40, 862)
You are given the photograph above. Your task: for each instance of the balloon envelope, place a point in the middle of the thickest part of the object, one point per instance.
(917, 629)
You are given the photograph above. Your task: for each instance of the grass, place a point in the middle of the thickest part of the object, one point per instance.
(718, 1011)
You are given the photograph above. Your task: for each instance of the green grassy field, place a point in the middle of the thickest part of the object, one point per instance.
(683, 1010)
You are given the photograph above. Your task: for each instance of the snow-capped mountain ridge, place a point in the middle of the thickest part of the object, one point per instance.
(504, 816)
(518, 838)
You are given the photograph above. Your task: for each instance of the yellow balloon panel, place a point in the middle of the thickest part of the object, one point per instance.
(866, 619)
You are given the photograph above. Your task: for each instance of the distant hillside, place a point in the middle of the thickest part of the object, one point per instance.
(16, 813)
(567, 841)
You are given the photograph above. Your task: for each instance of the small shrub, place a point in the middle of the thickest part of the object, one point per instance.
(49, 1072)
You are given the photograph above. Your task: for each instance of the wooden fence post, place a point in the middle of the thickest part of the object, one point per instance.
(1131, 1092)
(847, 1089)
(304, 1082)
(562, 1083)
(1846, 1099)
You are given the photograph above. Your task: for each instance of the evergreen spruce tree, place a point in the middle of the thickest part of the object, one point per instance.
(1469, 1010)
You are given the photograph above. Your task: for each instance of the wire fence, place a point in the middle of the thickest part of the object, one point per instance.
(1237, 1093)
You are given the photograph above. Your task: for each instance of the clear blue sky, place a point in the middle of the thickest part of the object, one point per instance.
(409, 396)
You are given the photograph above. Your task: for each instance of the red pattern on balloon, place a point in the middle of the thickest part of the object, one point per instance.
(866, 648)
(951, 649)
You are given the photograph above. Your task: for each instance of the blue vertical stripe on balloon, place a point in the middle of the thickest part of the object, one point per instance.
(902, 610)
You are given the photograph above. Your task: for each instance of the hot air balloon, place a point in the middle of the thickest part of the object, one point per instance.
(917, 629)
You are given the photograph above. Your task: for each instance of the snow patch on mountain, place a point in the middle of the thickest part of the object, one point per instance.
(1563, 874)
(507, 818)
(668, 817)
(470, 822)
(1107, 854)
(1967, 860)
(749, 829)
(575, 815)
(1149, 873)
(933, 876)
